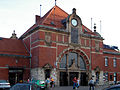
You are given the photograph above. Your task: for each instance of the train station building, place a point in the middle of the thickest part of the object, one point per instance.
(60, 46)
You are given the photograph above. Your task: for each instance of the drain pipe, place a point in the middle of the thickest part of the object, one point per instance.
(90, 69)
(30, 56)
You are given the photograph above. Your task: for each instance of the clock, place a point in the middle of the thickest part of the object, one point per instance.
(74, 22)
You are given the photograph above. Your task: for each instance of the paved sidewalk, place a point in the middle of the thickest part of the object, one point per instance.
(80, 88)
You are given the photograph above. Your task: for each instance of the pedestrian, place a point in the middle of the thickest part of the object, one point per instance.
(28, 80)
(51, 82)
(78, 83)
(74, 83)
(91, 84)
(47, 82)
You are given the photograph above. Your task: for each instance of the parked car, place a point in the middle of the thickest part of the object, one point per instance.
(4, 84)
(113, 87)
(25, 86)
(41, 84)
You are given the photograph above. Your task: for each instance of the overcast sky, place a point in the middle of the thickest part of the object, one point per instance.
(19, 15)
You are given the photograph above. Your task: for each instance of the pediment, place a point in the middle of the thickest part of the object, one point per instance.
(97, 69)
(47, 66)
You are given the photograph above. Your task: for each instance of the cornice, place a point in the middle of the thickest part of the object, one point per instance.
(46, 28)
(13, 55)
(113, 53)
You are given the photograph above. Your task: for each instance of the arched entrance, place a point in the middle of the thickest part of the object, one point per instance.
(73, 63)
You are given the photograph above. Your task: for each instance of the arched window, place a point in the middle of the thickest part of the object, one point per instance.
(71, 57)
(63, 61)
(82, 63)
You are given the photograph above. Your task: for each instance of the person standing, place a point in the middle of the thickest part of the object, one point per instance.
(91, 84)
(51, 82)
(47, 82)
(74, 83)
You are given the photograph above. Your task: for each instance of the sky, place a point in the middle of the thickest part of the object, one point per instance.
(19, 15)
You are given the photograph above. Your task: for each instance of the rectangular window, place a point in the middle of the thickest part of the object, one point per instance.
(74, 35)
(106, 76)
(114, 62)
(106, 61)
(115, 77)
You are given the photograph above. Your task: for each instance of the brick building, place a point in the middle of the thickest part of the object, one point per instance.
(14, 60)
(59, 45)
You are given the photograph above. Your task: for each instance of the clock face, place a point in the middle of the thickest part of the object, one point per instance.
(74, 22)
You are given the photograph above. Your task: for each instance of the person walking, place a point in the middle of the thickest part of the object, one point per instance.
(78, 83)
(74, 83)
(91, 84)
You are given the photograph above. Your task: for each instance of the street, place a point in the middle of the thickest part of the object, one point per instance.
(80, 88)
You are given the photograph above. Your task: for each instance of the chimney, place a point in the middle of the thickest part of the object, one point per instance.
(37, 19)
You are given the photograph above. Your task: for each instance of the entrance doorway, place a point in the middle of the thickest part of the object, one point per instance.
(73, 64)
(63, 79)
(71, 77)
(15, 75)
(47, 73)
(97, 77)
(15, 78)
(83, 79)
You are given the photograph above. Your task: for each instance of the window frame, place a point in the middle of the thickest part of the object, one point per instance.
(106, 61)
(63, 61)
(115, 76)
(106, 75)
(114, 62)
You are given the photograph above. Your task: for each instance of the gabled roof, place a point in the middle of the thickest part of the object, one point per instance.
(54, 17)
(13, 47)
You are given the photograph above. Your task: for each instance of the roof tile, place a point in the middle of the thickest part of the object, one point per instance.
(12, 46)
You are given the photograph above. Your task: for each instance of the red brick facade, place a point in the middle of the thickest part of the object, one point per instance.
(14, 61)
(58, 45)
(51, 40)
